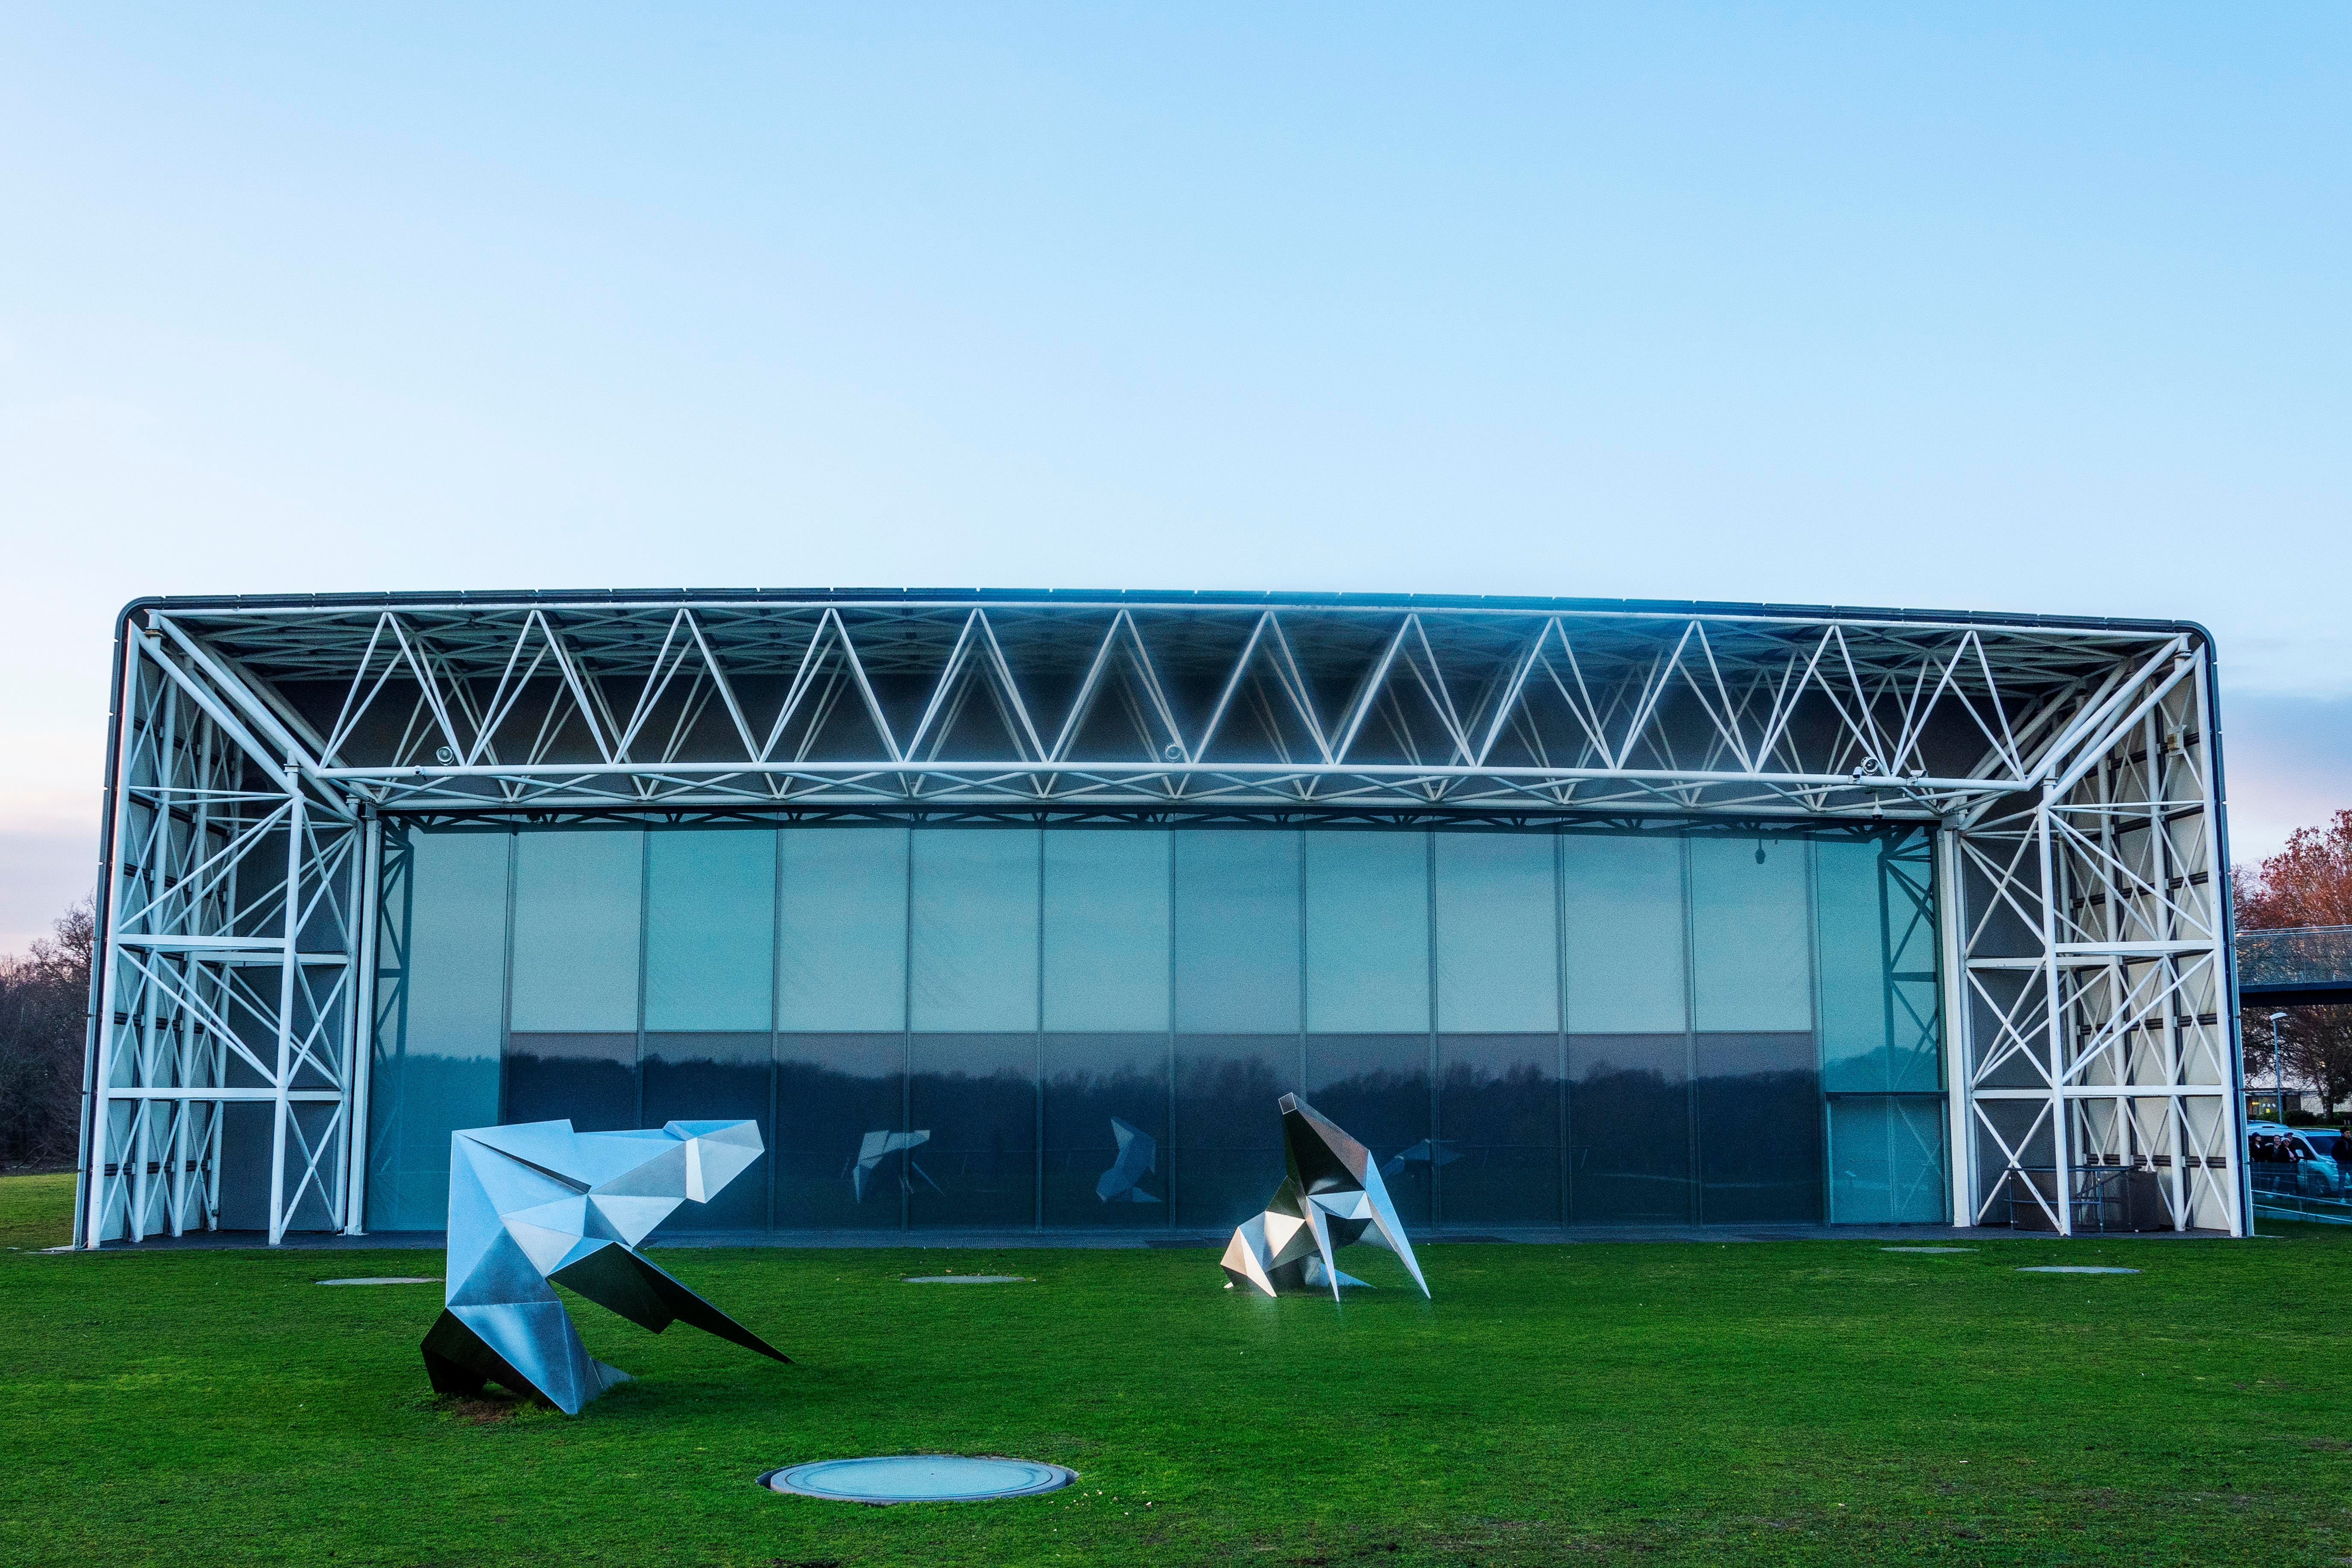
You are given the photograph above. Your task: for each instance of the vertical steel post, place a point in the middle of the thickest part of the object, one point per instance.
(2056, 1020)
(289, 963)
(101, 1124)
(1958, 1103)
(2221, 916)
(360, 1071)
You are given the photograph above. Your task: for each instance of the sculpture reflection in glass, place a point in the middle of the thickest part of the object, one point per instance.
(1432, 1153)
(1333, 1196)
(875, 1147)
(1138, 1154)
(537, 1203)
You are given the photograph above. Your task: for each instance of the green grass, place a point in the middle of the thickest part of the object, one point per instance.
(1803, 1402)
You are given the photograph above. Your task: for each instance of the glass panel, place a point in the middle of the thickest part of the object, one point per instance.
(842, 943)
(441, 991)
(839, 1099)
(590, 1080)
(577, 896)
(1624, 935)
(246, 1131)
(1497, 934)
(1095, 1084)
(1876, 916)
(1886, 1160)
(1228, 1154)
(1500, 1108)
(976, 1094)
(1751, 960)
(1236, 933)
(714, 1077)
(1759, 1129)
(1376, 1087)
(1107, 928)
(710, 933)
(974, 929)
(1367, 933)
(1629, 1130)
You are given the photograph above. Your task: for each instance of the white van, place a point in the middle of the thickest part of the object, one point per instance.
(2307, 1160)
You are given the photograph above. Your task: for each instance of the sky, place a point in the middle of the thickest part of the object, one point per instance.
(2009, 308)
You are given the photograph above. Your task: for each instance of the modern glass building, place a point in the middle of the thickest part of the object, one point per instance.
(1576, 914)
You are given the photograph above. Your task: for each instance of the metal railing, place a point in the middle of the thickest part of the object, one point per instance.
(2295, 955)
(2282, 1193)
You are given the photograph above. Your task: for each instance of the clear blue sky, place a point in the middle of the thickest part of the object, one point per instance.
(2021, 307)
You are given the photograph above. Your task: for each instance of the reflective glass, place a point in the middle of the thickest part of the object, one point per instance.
(834, 1091)
(714, 1077)
(441, 989)
(1499, 1109)
(1876, 916)
(1093, 1081)
(1751, 950)
(1886, 1160)
(1629, 1130)
(1107, 930)
(1367, 932)
(1497, 933)
(577, 897)
(1265, 931)
(973, 961)
(841, 943)
(1237, 931)
(976, 1094)
(1228, 1144)
(1624, 896)
(1376, 1087)
(1759, 1129)
(710, 929)
(589, 1080)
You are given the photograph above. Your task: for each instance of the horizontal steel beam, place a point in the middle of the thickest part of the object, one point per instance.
(261, 1093)
(1382, 771)
(2300, 993)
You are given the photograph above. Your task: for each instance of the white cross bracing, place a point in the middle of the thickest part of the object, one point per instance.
(260, 744)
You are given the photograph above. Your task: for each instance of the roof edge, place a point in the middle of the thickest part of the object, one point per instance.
(1179, 598)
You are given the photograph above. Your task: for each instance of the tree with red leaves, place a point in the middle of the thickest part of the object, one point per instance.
(2309, 882)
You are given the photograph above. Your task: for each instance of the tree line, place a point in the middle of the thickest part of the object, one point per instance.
(44, 1003)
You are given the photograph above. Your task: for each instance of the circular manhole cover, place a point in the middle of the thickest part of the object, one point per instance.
(1934, 1251)
(388, 1279)
(2073, 1268)
(966, 1280)
(919, 1478)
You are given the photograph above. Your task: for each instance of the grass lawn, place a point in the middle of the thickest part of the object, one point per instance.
(1802, 1402)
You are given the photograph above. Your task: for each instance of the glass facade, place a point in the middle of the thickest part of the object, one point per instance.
(938, 1028)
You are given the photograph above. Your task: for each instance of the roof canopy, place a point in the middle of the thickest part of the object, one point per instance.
(552, 703)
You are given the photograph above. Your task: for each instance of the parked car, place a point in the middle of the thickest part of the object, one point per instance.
(2306, 1160)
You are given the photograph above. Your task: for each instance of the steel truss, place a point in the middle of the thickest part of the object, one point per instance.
(2071, 769)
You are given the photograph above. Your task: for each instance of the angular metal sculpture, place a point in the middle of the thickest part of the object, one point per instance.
(538, 1202)
(1332, 1196)
(1138, 1154)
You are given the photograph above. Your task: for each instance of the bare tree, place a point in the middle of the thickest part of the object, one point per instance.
(2309, 882)
(44, 1003)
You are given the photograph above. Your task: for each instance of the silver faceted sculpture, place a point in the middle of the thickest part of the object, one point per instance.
(1332, 1196)
(538, 1202)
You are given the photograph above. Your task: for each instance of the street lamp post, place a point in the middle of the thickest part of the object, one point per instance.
(2278, 1072)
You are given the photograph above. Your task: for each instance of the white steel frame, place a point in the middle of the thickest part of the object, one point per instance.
(2070, 768)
